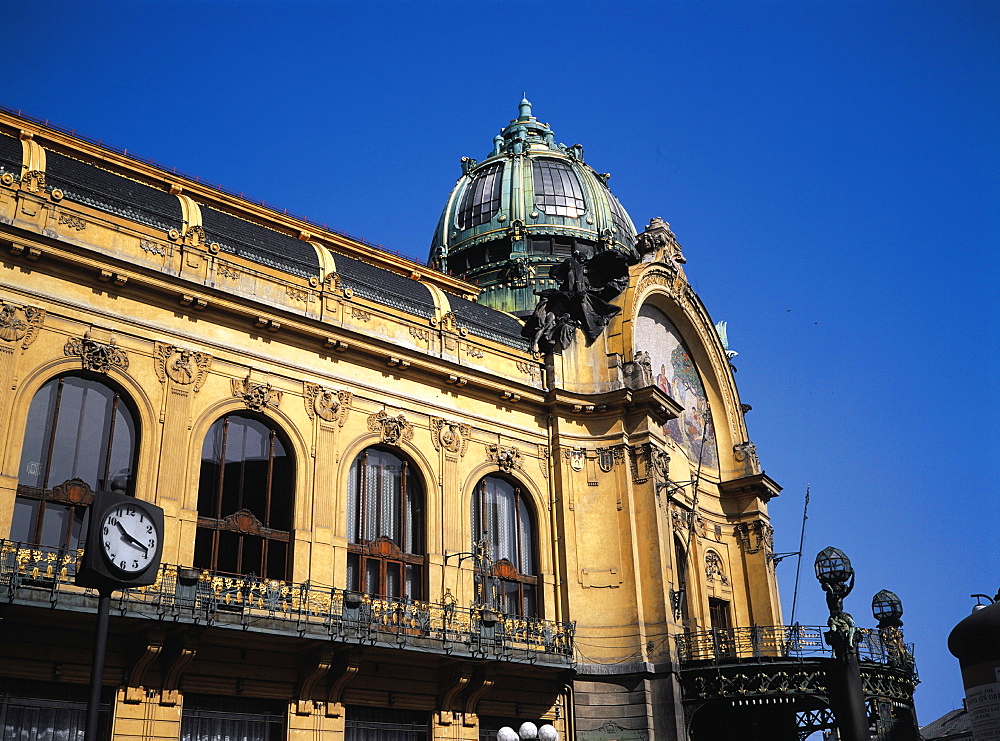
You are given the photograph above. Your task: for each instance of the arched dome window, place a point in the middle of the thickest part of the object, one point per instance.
(502, 518)
(245, 499)
(81, 437)
(385, 526)
(620, 218)
(481, 199)
(557, 189)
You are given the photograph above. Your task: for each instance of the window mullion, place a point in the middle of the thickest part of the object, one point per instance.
(517, 527)
(111, 442)
(402, 509)
(270, 479)
(222, 469)
(363, 497)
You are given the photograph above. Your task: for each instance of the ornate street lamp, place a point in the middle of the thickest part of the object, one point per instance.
(887, 608)
(836, 576)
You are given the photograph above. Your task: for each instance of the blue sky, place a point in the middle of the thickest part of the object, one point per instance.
(829, 167)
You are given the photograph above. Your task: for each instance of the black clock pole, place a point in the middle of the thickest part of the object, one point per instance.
(103, 568)
(97, 664)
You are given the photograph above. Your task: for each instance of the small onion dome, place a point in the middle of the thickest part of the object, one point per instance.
(526, 207)
(976, 639)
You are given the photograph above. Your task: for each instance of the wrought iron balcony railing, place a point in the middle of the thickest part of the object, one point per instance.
(777, 642)
(31, 574)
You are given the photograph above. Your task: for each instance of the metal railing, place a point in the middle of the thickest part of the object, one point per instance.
(729, 645)
(30, 574)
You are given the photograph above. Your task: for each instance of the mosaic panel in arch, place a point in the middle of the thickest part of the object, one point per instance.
(676, 373)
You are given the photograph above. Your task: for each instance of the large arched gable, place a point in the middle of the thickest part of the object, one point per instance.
(662, 287)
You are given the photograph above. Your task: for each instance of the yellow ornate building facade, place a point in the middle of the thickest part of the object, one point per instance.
(389, 513)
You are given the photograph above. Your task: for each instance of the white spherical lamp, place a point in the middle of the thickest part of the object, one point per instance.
(548, 733)
(506, 734)
(528, 730)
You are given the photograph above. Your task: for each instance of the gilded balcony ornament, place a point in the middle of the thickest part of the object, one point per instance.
(97, 356)
(393, 430)
(330, 405)
(181, 366)
(20, 323)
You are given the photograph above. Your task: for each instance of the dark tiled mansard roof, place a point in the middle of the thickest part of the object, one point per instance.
(89, 184)
(10, 154)
(384, 286)
(112, 193)
(259, 244)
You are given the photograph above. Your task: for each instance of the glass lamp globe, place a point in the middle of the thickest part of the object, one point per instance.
(528, 730)
(547, 733)
(833, 566)
(507, 734)
(887, 607)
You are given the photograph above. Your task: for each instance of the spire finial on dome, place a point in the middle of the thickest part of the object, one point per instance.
(524, 107)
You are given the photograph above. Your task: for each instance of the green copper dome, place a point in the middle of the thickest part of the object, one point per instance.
(526, 207)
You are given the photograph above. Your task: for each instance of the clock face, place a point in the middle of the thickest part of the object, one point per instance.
(129, 538)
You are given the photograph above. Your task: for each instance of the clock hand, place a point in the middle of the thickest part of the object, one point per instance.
(130, 539)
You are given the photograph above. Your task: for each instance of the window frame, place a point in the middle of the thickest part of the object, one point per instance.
(242, 522)
(508, 577)
(381, 551)
(75, 494)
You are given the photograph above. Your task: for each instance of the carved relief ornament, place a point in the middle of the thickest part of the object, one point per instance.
(180, 365)
(713, 568)
(507, 459)
(20, 323)
(96, 356)
(330, 405)
(393, 430)
(656, 463)
(763, 536)
(257, 396)
(746, 452)
(452, 436)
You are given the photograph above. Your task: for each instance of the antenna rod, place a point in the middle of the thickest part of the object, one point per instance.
(798, 565)
(682, 582)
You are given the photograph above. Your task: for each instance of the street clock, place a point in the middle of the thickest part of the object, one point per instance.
(124, 543)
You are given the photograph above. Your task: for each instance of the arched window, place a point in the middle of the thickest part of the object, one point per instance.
(557, 189)
(81, 437)
(245, 499)
(385, 526)
(501, 517)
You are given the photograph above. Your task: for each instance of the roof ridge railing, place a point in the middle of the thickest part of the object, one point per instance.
(19, 113)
